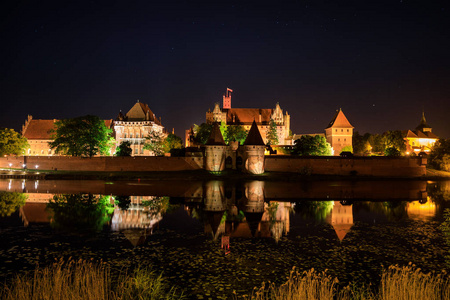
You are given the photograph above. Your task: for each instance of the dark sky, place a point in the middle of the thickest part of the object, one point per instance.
(382, 62)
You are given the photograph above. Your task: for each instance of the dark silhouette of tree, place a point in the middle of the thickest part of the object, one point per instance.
(11, 142)
(124, 149)
(202, 133)
(439, 157)
(82, 136)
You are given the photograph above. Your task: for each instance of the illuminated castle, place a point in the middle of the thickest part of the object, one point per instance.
(246, 116)
(135, 126)
(421, 139)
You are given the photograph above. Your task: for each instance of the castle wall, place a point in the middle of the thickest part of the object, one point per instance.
(110, 164)
(366, 166)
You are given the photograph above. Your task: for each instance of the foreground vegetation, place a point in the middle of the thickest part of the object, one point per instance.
(86, 280)
(398, 283)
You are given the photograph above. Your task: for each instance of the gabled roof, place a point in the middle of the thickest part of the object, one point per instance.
(409, 134)
(141, 112)
(245, 116)
(339, 120)
(254, 136)
(215, 138)
(38, 129)
(431, 135)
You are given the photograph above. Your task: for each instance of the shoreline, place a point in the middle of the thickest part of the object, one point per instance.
(229, 175)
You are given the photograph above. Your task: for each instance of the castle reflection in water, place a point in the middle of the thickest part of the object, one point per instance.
(255, 209)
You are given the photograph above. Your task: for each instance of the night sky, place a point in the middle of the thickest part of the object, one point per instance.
(382, 62)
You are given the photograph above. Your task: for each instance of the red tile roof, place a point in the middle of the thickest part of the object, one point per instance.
(339, 120)
(245, 116)
(39, 129)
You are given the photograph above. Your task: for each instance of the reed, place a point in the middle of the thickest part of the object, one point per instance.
(85, 280)
(397, 283)
(411, 283)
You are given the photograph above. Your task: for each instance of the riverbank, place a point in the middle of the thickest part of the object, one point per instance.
(86, 280)
(200, 175)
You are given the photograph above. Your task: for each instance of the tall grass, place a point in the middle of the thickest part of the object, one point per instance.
(85, 280)
(397, 283)
(409, 283)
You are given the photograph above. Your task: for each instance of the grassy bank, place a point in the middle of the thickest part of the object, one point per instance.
(85, 280)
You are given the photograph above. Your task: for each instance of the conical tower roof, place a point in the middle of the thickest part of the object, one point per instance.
(215, 138)
(339, 120)
(423, 123)
(254, 136)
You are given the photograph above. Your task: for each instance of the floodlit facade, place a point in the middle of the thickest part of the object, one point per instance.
(246, 116)
(138, 123)
(339, 133)
(421, 139)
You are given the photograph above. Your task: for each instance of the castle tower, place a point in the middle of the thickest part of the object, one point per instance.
(339, 133)
(215, 150)
(253, 151)
(227, 99)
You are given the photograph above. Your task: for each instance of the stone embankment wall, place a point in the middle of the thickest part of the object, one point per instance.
(109, 164)
(366, 166)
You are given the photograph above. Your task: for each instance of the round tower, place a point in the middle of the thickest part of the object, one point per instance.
(253, 151)
(215, 150)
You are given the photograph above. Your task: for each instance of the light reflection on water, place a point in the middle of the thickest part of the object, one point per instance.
(350, 228)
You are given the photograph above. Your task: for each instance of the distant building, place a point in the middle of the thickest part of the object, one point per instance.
(339, 132)
(245, 117)
(421, 139)
(39, 135)
(135, 126)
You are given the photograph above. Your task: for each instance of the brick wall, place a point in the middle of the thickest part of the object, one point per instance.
(368, 166)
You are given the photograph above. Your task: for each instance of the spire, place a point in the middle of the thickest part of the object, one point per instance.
(254, 136)
(215, 138)
(423, 126)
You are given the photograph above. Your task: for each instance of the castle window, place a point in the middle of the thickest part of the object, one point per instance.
(339, 140)
(342, 130)
(335, 130)
(345, 140)
(348, 130)
(414, 144)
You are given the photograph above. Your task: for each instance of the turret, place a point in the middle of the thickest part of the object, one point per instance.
(253, 151)
(215, 150)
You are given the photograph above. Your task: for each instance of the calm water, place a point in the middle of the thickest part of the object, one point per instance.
(353, 229)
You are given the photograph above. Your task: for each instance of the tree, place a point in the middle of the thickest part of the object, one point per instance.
(172, 141)
(439, 157)
(11, 142)
(392, 151)
(272, 135)
(394, 139)
(347, 149)
(235, 133)
(10, 202)
(82, 136)
(159, 143)
(202, 133)
(154, 142)
(124, 149)
(312, 145)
